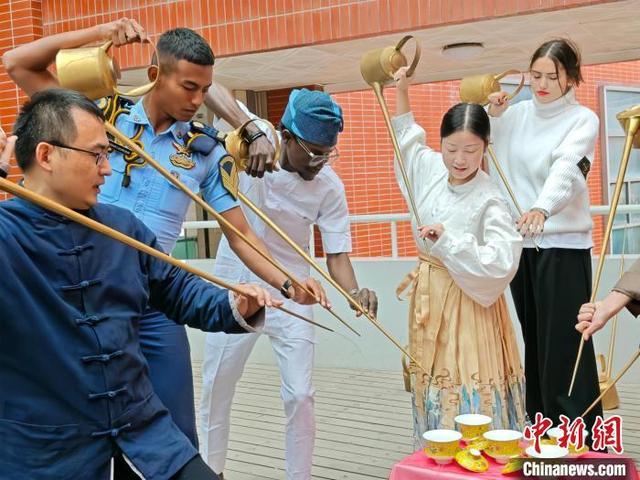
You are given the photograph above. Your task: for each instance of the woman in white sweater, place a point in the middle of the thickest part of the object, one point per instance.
(546, 146)
(459, 326)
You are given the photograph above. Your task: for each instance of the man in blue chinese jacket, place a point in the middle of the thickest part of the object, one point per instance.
(74, 385)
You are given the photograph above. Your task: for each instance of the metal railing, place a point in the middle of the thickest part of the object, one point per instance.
(395, 218)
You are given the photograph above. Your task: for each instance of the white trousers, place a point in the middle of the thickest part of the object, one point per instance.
(224, 360)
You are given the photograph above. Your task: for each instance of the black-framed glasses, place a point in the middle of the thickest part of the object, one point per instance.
(100, 157)
(316, 159)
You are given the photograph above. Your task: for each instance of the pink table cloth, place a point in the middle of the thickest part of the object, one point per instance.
(419, 467)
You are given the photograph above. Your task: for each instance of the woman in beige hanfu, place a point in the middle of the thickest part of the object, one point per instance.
(459, 325)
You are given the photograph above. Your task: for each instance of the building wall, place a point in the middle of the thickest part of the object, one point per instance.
(234, 27)
(365, 163)
(241, 26)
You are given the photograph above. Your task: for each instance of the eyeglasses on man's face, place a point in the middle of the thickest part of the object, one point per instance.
(316, 159)
(100, 157)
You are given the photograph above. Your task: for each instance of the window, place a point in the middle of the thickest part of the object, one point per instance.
(613, 100)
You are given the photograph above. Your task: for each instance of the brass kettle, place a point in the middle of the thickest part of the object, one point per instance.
(625, 117)
(238, 147)
(379, 65)
(610, 401)
(91, 71)
(477, 88)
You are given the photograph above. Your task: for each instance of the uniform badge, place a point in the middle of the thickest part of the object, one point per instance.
(182, 157)
(229, 175)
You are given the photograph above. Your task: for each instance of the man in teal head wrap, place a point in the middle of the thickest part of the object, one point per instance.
(305, 191)
(310, 127)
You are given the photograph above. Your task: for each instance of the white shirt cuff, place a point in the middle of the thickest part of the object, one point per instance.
(257, 319)
(442, 245)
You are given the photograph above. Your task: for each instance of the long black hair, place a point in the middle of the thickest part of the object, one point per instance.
(469, 117)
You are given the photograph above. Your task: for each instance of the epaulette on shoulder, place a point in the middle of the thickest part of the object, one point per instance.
(203, 138)
(113, 106)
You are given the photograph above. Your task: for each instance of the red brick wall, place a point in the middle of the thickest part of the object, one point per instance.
(241, 26)
(20, 22)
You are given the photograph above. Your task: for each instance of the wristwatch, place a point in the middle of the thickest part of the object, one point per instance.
(3, 173)
(253, 137)
(284, 289)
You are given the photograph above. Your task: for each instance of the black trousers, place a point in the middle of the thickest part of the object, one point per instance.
(548, 290)
(194, 469)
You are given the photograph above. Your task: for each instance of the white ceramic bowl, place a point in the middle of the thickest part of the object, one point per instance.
(502, 435)
(547, 451)
(555, 433)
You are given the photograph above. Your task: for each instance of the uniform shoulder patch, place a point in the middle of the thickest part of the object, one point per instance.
(229, 175)
(585, 166)
(113, 106)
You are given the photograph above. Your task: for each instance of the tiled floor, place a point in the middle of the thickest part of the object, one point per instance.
(364, 424)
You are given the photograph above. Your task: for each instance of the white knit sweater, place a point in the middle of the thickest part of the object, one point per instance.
(539, 147)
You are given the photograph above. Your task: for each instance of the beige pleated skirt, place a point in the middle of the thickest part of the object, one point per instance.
(469, 354)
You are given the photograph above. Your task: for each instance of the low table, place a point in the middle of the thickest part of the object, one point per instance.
(420, 467)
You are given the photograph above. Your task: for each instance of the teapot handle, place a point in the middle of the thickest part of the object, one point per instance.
(512, 72)
(106, 46)
(601, 361)
(416, 56)
(142, 89)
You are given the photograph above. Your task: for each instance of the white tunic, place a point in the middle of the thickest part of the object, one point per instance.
(294, 204)
(539, 147)
(480, 246)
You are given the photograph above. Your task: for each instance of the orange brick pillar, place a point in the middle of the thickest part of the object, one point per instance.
(20, 23)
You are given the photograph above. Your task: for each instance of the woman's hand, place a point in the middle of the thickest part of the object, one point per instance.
(531, 223)
(402, 82)
(498, 103)
(432, 232)
(594, 316)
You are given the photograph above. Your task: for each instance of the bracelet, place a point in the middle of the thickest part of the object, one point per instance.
(284, 289)
(542, 211)
(252, 138)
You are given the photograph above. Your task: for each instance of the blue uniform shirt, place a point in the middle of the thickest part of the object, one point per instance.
(74, 384)
(151, 198)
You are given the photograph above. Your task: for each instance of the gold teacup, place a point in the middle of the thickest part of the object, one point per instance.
(473, 425)
(503, 444)
(441, 445)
